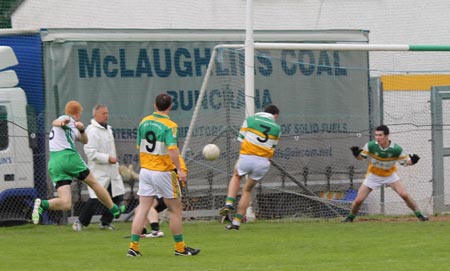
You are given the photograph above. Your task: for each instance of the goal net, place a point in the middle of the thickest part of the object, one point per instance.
(324, 108)
(329, 100)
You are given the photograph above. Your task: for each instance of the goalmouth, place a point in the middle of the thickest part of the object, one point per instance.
(328, 102)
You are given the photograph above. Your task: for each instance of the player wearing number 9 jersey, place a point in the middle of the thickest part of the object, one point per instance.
(159, 155)
(157, 135)
(259, 135)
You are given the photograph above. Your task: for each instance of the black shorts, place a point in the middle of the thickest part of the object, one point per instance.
(62, 183)
(161, 205)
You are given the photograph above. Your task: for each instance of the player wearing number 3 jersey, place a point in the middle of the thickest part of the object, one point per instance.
(259, 135)
(159, 156)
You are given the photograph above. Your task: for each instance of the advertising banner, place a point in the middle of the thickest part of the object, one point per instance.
(319, 92)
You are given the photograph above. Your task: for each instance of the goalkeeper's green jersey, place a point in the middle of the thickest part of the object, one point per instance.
(259, 135)
(383, 161)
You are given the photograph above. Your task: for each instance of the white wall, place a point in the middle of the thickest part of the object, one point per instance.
(400, 21)
(389, 21)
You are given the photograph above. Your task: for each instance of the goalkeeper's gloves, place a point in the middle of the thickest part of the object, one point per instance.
(356, 150)
(414, 158)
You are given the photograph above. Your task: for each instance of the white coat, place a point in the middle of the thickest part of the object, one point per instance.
(99, 148)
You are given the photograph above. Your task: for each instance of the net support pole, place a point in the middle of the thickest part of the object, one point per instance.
(249, 62)
(211, 64)
(199, 101)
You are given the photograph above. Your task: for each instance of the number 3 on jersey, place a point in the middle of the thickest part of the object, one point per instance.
(265, 133)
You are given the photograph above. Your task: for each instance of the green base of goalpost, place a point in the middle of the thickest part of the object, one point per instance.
(351, 47)
(429, 47)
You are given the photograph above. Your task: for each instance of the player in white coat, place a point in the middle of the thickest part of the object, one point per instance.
(102, 161)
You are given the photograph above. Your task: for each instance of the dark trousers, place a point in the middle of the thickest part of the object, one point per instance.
(90, 208)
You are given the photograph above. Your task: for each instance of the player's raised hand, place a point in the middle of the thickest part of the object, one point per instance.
(414, 158)
(65, 121)
(355, 150)
(80, 126)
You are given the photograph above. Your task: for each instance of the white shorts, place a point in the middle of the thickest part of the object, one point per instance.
(158, 183)
(256, 167)
(374, 181)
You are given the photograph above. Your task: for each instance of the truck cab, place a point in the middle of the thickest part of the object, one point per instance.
(17, 190)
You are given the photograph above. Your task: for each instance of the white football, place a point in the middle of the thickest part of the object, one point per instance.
(211, 152)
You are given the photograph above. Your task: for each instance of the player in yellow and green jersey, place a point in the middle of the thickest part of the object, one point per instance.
(383, 155)
(159, 156)
(259, 135)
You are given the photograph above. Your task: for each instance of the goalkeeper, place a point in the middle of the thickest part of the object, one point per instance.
(383, 155)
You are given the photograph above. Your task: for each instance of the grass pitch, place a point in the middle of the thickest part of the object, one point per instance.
(378, 244)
